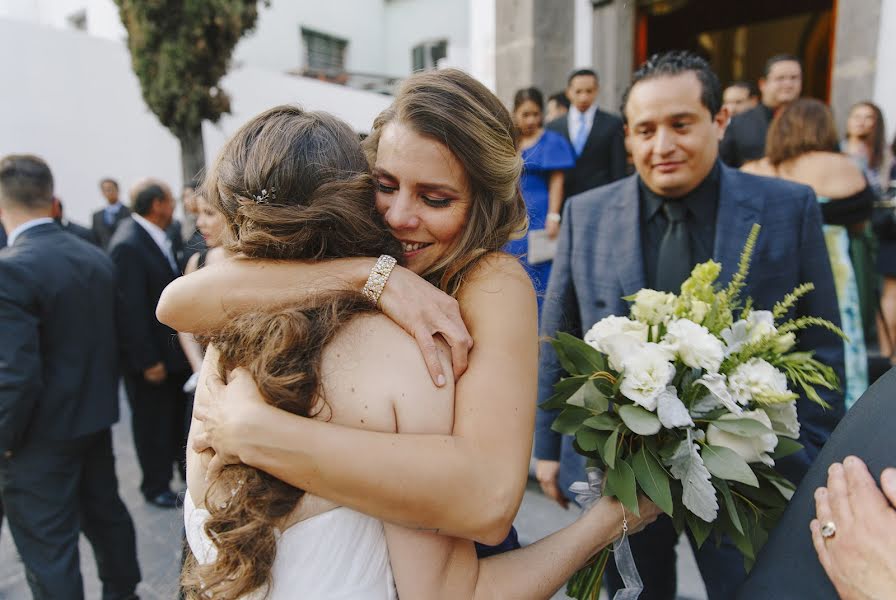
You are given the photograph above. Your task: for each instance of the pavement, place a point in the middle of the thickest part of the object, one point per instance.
(159, 536)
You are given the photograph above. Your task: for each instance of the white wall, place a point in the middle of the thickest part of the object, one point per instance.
(583, 35)
(483, 24)
(78, 105)
(276, 42)
(410, 22)
(885, 75)
(53, 13)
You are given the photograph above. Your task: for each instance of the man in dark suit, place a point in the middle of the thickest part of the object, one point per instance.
(107, 219)
(780, 85)
(596, 136)
(73, 228)
(58, 395)
(683, 207)
(867, 432)
(155, 366)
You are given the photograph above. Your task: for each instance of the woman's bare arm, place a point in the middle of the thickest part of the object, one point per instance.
(207, 299)
(433, 566)
(555, 201)
(469, 484)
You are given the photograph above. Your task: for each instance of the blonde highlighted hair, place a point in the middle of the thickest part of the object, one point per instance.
(452, 108)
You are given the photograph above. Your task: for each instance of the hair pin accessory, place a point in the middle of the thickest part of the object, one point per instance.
(266, 197)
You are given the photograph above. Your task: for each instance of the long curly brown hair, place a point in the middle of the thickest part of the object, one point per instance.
(319, 203)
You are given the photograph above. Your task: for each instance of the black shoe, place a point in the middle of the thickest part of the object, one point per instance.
(166, 499)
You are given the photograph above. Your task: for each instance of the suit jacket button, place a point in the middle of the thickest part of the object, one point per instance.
(600, 304)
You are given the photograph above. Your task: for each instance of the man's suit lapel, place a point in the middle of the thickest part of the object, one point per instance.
(738, 211)
(623, 231)
(564, 130)
(591, 140)
(152, 247)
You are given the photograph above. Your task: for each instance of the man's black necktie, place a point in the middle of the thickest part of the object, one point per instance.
(674, 262)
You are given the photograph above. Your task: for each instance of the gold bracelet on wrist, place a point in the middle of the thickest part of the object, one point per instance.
(379, 275)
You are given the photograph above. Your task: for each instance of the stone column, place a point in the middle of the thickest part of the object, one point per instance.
(613, 50)
(855, 55)
(533, 45)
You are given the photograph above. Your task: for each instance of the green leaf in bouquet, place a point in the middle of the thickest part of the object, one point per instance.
(588, 396)
(744, 427)
(576, 356)
(570, 420)
(700, 528)
(653, 479)
(563, 390)
(730, 506)
(639, 420)
(742, 541)
(786, 446)
(783, 485)
(621, 484)
(589, 440)
(725, 463)
(609, 452)
(604, 422)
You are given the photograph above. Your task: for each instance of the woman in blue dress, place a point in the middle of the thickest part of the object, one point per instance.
(546, 155)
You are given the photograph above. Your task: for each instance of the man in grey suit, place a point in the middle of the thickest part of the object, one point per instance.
(683, 207)
(596, 136)
(58, 395)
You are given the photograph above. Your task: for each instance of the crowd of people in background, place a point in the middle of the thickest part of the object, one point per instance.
(570, 145)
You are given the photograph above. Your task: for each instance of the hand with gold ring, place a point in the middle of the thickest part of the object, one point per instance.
(854, 532)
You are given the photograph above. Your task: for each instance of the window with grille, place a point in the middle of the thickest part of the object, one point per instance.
(323, 53)
(426, 56)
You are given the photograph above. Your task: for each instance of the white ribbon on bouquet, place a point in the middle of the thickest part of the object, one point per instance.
(586, 495)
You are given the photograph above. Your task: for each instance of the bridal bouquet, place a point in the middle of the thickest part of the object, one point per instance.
(689, 400)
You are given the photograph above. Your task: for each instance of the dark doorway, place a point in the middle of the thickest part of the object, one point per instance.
(738, 36)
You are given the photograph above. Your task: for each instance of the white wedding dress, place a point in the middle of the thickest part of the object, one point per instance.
(339, 554)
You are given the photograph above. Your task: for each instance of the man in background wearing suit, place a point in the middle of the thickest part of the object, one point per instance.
(155, 366)
(73, 228)
(682, 207)
(597, 136)
(58, 395)
(745, 136)
(107, 219)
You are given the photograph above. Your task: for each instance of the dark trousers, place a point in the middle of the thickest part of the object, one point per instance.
(160, 435)
(53, 490)
(653, 548)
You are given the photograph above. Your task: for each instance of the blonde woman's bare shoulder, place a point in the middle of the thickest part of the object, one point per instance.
(759, 167)
(496, 267)
(832, 174)
(498, 288)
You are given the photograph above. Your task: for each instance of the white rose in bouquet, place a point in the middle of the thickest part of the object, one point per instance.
(653, 307)
(757, 325)
(758, 381)
(646, 371)
(694, 344)
(611, 326)
(754, 448)
(784, 419)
